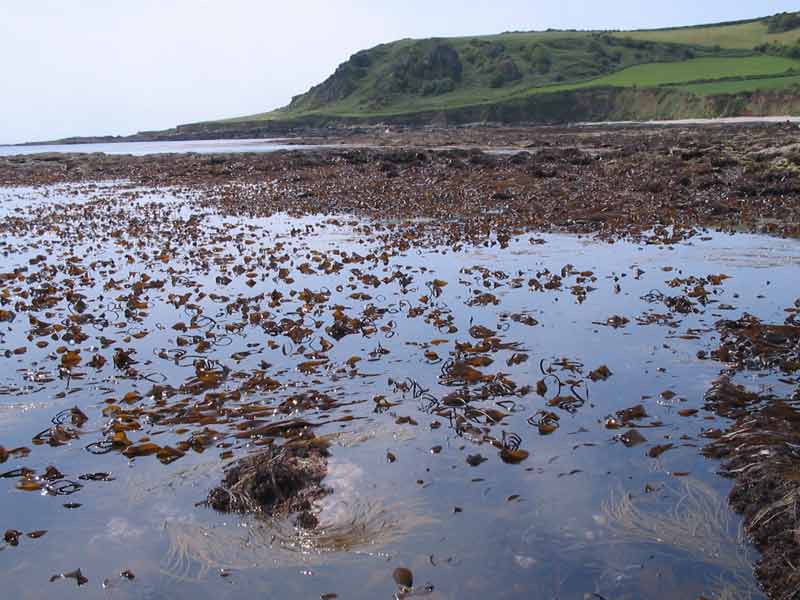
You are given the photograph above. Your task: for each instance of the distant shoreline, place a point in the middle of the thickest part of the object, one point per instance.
(299, 136)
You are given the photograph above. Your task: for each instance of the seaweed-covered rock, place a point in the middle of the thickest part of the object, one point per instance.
(760, 451)
(748, 343)
(276, 481)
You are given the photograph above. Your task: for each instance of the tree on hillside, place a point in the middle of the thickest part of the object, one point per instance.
(541, 59)
(783, 22)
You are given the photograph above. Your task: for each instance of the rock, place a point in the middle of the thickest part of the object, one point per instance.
(403, 576)
(473, 460)
(632, 438)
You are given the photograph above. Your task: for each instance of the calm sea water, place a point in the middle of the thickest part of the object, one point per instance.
(143, 148)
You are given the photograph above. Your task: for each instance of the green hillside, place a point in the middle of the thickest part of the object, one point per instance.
(411, 77)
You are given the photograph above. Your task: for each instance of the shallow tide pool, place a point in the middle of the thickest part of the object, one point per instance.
(513, 420)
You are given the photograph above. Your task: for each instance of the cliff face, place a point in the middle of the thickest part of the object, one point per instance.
(625, 104)
(594, 105)
(425, 67)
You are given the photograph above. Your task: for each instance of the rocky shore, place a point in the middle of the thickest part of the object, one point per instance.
(615, 182)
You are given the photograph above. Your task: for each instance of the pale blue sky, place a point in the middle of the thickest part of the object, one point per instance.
(86, 67)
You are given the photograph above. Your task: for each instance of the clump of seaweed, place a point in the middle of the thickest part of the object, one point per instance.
(748, 343)
(698, 524)
(277, 481)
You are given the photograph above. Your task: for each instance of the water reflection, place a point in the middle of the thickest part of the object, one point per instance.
(252, 326)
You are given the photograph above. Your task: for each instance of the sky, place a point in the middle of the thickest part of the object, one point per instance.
(115, 67)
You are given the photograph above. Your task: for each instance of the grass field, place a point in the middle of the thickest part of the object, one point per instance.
(742, 35)
(702, 68)
(658, 74)
(736, 87)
